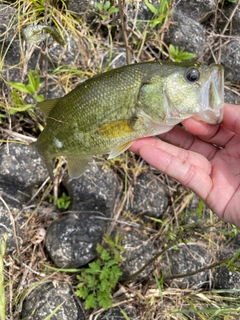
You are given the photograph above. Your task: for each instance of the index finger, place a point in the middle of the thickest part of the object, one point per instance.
(217, 134)
(231, 119)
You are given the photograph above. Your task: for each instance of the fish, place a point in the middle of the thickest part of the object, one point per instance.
(106, 113)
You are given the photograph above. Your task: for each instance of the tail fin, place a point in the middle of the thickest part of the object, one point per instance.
(46, 160)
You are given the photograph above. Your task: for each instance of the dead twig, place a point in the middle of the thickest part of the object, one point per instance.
(124, 31)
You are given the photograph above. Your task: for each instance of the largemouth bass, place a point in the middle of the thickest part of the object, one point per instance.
(106, 113)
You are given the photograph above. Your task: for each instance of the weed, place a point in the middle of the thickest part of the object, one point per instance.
(161, 13)
(180, 55)
(105, 10)
(20, 91)
(97, 281)
(62, 202)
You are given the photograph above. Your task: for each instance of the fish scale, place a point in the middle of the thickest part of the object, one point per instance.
(107, 112)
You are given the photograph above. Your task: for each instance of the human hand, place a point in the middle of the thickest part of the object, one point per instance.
(206, 159)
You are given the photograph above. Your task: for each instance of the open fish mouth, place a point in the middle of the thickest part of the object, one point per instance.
(212, 97)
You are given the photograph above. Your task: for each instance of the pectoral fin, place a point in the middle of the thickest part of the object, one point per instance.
(116, 129)
(120, 149)
(77, 164)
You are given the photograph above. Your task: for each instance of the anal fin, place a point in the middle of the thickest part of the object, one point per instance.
(120, 149)
(77, 165)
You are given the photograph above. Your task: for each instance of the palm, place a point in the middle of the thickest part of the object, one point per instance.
(207, 160)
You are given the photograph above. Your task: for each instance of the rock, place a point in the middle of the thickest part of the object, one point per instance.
(45, 299)
(197, 9)
(224, 16)
(225, 278)
(183, 260)
(230, 58)
(71, 240)
(116, 313)
(7, 220)
(139, 250)
(186, 33)
(150, 196)
(7, 12)
(231, 97)
(95, 190)
(80, 7)
(236, 240)
(195, 211)
(21, 169)
(138, 11)
(118, 59)
(69, 55)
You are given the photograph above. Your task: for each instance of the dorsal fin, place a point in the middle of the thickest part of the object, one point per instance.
(47, 105)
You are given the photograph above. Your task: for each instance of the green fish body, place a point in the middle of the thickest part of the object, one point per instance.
(106, 113)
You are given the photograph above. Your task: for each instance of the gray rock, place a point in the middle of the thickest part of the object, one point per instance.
(8, 224)
(46, 298)
(7, 12)
(71, 240)
(231, 97)
(116, 313)
(230, 58)
(95, 190)
(225, 278)
(80, 7)
(118, 58)
(69, 54)
(150, 196)
(186, 33)
(138, 11)
(224, 16)
(139, 250)
(183, 260)
(199, 10)
(236, 240)
(195, 212)
(21, 169)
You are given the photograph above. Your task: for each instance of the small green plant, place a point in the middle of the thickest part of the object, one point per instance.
(161, 13)
(98, 280)
(62, 202)
(180, 55)
(21, 90)
(105, 10)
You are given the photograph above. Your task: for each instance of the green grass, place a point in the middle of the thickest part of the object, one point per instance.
(3, 241)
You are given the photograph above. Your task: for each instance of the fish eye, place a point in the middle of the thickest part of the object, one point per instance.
(192, 75)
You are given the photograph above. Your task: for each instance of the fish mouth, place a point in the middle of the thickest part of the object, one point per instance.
(212, 97)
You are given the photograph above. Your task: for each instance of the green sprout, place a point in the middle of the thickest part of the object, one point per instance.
(62, 202)
(98, 280)
(105, 10)
(180, 55)
(21, 90)
(161, 13)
